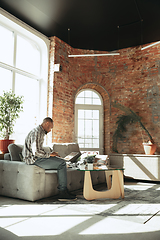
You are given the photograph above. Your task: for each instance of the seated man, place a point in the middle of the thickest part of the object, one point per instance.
(33, 153)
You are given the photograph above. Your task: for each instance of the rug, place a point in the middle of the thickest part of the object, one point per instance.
(134, 191)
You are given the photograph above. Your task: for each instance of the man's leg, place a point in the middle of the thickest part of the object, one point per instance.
(55, 163)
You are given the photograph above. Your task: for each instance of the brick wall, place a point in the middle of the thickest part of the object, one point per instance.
(131, 79)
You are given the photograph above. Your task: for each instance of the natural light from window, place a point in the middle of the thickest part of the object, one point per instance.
(6, 45)
(28, 56)
(97, 220)
(5, 80)
(24, 69)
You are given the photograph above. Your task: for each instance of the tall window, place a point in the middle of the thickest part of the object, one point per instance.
(21, 71)
(89, 121)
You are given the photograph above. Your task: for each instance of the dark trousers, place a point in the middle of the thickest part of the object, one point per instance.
(55, 163)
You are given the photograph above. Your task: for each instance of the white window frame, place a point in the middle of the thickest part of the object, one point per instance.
(91, 107)
(20, 28)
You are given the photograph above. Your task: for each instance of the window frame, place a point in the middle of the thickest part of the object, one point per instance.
(90, 107)
(23, 30)
(13, 67)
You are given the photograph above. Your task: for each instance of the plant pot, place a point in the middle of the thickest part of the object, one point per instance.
(90, 166)
(149, 148)
(4, 145)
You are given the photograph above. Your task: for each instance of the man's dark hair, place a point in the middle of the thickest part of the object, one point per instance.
(47, 119)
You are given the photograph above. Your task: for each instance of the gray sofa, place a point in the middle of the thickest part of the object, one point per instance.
(29, 182)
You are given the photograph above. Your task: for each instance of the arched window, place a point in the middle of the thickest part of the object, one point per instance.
(89, 121)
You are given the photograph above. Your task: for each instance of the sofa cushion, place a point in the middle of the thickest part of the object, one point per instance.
(63, 149)
(15, 151)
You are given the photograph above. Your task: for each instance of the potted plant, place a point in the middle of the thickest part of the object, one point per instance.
(90, 159)
(129, 118)
(10, 107)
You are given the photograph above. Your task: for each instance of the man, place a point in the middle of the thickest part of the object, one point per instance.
(34, 153)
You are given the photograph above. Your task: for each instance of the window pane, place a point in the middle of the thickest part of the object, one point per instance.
(96, 143)
(81, 114)
(81, 145)
(5, 80)
(96, 101)
(88, 97)
(95, 114)
(88, 128)
(28, 56)
(81, 140)
(88, 93)
(89, 140)
(79, 100)
(81, 128)
(95, 95)
(29, 88)
(6, 46)
(88, 145)
(81, 94)
(96, 128)
(88, 114)
(88, 100)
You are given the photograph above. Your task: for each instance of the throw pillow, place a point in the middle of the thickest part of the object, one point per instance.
(14, 151)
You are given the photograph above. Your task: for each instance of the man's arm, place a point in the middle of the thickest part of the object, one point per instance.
(40, 152)
(53, 154)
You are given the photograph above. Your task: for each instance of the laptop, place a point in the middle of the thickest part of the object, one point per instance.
(72, 157)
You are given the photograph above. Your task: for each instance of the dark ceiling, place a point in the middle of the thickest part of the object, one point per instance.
(93, 24)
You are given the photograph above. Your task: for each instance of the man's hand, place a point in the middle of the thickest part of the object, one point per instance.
(53, 154)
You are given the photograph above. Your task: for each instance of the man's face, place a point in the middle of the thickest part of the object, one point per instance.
(48, 127)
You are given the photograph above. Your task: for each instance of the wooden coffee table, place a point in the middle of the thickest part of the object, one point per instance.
(115, 184)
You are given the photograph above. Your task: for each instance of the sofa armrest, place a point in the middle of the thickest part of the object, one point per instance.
(7, 156)
(20, 180)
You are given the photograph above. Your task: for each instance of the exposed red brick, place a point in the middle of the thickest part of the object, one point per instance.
(131, 79)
